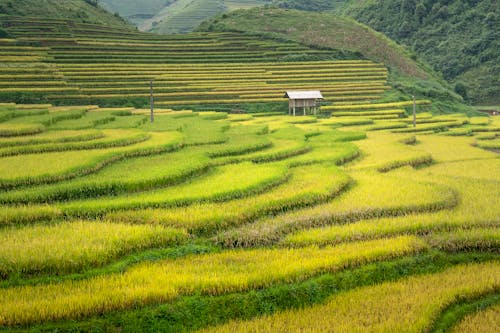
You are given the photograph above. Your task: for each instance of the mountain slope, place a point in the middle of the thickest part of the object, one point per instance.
(83, 11)
(174, 16)
(458, 38)
(135, 11)
(327, 30)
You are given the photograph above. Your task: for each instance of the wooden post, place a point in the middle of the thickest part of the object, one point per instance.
(414, 112)
(151, 101)
(293, 107)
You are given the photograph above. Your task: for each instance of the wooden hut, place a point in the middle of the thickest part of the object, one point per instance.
(307, 100)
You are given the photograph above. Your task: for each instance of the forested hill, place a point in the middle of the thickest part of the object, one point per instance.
(81, 11)
(458, 38)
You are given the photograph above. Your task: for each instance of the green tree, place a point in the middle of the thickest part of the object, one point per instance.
(420, 12)
(461, 89)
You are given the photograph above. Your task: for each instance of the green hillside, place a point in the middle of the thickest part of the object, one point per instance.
(185, 15)
(458, 38)
(174, 16)
(135, 11)
(82, 11)
(327, 30)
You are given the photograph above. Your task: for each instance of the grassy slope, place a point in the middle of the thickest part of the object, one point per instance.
(75, 10)
(328, 30)
(457, 37)
(136, 11)
(174, 16)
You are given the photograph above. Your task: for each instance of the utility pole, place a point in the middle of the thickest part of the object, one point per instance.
(414, 112)
(151, 100)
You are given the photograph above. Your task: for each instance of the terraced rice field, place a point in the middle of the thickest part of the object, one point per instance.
(352, 220)
(67, 63)
(255, 222)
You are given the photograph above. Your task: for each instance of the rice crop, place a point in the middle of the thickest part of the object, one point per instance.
(374, 195)
(113, 138)
(306, 187)
(220, 184)
(10, 130)
(409, 305)
(129, 175)
(385, 152)
(32, 169)
(476, 208)
(490, 144)
(482, 321)
(73, 246)
(485, 239)
(211, 274)
(52, 137)
(27, 214)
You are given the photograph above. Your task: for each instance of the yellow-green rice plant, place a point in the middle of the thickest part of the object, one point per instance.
(211, 274)
(458, 132)
(439, 126)
(409, 305)
(129, 175)
(487, 136)
(241, 141)
(57, 166)
(385, 125)
(490, 128)
(444, 148)
(49, 119)
(73, 246)
(374, 105)
(479, 121)
(489, 144)
(483, 321)
(368, 113)
(373, 195)
(223, 183)
(196, 131)
(477, 207)
(483, 239)
(337, 153)
(9, 130)
(240, 117)
(349, 121)
(113, 138)
(27, 214)
(279, 150)
(307, 186)
(486, 169)
(52, 137)
(384, 152)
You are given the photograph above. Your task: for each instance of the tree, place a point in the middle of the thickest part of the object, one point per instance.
(420, 12)
(461, 89)
(3, 33)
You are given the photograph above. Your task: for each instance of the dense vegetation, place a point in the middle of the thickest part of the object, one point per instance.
(84, 11)
(460, 39)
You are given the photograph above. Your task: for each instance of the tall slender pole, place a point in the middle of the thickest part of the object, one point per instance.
(414, 112)
(151, 100)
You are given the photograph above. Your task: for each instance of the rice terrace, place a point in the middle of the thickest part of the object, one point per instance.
(281, 167)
